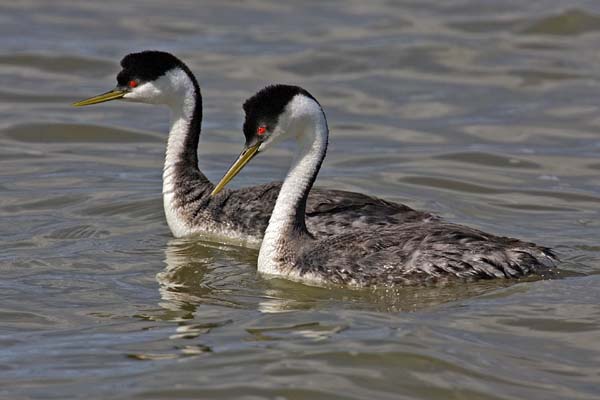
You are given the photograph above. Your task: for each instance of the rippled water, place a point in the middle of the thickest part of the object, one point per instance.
(483, 112)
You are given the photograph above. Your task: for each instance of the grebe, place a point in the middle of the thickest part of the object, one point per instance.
(242, 215)
(412, 252)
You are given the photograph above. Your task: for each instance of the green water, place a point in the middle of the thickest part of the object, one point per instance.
(483, 112)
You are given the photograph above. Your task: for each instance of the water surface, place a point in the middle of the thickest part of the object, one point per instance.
(483, 112)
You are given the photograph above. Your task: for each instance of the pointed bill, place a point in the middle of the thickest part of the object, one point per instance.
(101, 98)
(245, 156)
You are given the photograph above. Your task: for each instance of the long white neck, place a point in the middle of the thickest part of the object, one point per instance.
(181, 159)
(182, 113)
(288, 217)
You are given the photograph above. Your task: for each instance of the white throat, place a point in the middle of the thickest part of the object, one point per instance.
(182, 102)
(303, 119)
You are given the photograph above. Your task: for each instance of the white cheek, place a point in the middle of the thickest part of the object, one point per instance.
(147, 93)
(277, 135)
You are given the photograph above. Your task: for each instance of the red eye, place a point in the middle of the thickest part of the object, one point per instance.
(132, 84)
(261, 130)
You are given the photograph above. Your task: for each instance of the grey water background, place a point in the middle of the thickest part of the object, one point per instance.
(485, 112)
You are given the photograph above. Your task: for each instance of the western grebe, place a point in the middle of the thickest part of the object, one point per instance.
(405, 253)
(242, 215)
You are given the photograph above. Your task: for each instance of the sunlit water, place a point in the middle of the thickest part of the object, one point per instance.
(485, 112)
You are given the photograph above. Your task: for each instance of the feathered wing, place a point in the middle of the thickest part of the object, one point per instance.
(419, 253)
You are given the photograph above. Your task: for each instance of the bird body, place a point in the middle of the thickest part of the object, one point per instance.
(414, 253)
(423, 250)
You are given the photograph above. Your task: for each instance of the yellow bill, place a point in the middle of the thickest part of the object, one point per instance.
(101, 98)
(246, 155)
